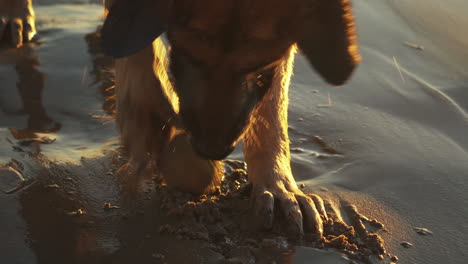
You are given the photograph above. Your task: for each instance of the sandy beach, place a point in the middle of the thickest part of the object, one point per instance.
(398, 131)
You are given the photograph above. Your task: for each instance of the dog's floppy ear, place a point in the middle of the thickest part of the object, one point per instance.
(330, 42)
(132, 25)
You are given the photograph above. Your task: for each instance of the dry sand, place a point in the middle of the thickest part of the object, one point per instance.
(399, 130)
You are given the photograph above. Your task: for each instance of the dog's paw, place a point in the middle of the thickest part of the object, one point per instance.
(17, 24)
(301, 213)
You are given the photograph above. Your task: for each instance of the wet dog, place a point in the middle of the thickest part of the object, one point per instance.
(225, 78)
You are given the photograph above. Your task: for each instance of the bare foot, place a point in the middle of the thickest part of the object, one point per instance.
(19, 16)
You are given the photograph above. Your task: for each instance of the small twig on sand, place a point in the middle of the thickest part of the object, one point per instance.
(398, 68)
(20, 176)
(108, 206)
(84, 74)
(78, 212)
(414, 46)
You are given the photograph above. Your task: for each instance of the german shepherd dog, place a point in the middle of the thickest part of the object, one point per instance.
(223, 77)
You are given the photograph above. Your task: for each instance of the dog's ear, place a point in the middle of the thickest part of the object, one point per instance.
(329, 42)
(132, 25)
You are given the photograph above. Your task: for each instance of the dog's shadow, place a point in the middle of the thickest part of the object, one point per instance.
(77, 213)
(74, 214)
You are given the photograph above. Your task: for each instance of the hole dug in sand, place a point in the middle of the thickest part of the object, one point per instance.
(223, 220)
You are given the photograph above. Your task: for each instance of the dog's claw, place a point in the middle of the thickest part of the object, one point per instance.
(302, 214)
(29, 28)
(264, 205)
(312, 214)
(293, 214)
(17, 32)
(320, 206)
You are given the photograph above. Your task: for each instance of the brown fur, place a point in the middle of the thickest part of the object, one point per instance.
(227, 36)
(231, 62)
(142, 109)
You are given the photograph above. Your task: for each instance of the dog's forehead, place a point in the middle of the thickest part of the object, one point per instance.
(254, 18)
(206, 15)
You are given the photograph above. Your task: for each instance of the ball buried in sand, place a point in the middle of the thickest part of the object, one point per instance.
(183, 169)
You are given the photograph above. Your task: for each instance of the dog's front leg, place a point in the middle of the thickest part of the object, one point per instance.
(143, 110)
(266, 150)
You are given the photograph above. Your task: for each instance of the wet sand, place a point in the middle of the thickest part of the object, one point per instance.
(398, 131)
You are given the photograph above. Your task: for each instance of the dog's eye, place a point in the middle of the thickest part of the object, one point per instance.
(258, 81)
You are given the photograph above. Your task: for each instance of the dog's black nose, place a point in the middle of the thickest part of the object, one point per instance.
(211, 151)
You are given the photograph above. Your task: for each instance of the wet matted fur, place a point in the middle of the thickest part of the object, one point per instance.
(224, 77)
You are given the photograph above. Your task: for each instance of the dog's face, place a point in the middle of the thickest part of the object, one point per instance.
(224, 55)
(222, 64)
(215, 102)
